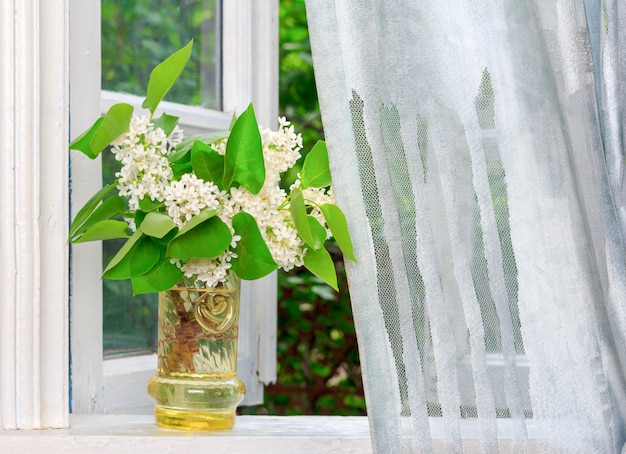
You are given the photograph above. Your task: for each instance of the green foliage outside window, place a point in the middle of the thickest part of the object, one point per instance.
(318, 363)
(139, 34)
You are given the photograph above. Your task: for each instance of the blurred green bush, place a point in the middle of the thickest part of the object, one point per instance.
(318, 363)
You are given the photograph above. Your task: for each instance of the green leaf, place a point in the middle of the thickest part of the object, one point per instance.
(144, 256)
(164, 75)
(183, 148)
(181, 156)
(147, 204)
(180, 161)
(89, 208)
(165, 240)
(233, 120)
(337, 224)
(103, 230)
(254, 259)
(180, 168)
(82, 142)
(197, 220)
(318, 232)
(138, 259)
(116, 122)
(166, 122)
(108, 209)
(162, 276)
(208, 239)
(122, 253)
(300, 218)
(139, 216)
(207, 163)
(157, 225)
(321, 264)
(244, 154)
(315, 170)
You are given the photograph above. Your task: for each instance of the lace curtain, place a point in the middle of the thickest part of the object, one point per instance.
(477, 150)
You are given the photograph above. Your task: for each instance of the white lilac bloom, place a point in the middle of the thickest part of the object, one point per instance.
(145, 169)
(188, 196)
(285, 245)
(220, 146)
(281, 150)
(146, 172)
(272, 218)
(209, 272)
(318, 197)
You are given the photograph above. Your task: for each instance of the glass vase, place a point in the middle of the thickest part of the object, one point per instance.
(196, 385)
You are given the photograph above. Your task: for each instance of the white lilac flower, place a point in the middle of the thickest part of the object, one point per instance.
(282, 240)
(146, 172)
(281, 150)
(209, 271)
(318, 197)
(145, 169)
(188, 196)
(220, 146)
(273, 221)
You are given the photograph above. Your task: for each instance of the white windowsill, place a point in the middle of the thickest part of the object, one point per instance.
(251, 434)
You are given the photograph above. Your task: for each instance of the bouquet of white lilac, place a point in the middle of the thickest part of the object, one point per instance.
(207, 205)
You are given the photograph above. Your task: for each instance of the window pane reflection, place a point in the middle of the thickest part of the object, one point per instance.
(139, 34)
(136, 36)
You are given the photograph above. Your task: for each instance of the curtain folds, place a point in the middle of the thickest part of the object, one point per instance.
(477, 150)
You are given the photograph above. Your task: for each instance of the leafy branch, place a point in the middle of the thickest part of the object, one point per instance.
(156, 246)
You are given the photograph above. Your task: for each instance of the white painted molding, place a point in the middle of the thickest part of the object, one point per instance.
(250, 58)
(86, 179)
(251, 435)
(192, 119)
(34, 213)
(125, 385)
(236, 55)
(8, 258)
(268, 329)
(124, 434)
(264, 92)
(264, 77)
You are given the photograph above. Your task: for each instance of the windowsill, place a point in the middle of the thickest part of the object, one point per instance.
(251, 434)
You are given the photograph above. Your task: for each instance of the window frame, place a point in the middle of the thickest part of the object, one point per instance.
(34, 361)
(249, 74)
(251, 435)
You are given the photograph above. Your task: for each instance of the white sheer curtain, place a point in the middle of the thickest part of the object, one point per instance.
(477, 149)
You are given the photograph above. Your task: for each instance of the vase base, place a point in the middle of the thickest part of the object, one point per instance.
(194, 420)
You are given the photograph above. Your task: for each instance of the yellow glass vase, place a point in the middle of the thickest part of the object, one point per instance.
(196, 385)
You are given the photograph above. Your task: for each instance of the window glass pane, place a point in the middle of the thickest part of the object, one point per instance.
(129, 322)
(139, 34)
(136, 36)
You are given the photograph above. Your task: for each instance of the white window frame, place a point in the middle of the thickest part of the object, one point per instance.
(33, 214)
(34, 318)
(249, 74)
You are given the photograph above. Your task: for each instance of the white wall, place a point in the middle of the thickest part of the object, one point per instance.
(33, 213)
